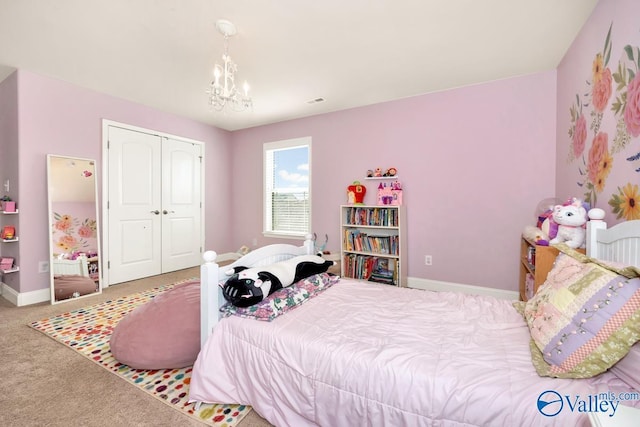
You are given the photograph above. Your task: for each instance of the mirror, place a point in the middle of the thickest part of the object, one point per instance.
(74, 243)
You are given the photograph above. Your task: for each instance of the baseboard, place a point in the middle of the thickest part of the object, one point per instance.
(435, 285)
(228, 256)
(25, 298)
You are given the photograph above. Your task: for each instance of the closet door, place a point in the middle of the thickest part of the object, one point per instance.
(181, 205)
(154, 204)
(134, 205)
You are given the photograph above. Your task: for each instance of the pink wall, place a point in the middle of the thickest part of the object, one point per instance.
(610, 173)
(9, 164)
(59, 118)
(474, 163)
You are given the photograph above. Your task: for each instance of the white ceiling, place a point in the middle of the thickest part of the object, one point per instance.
(161, 53)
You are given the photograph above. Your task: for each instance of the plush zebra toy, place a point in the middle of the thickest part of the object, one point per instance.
(249, 286)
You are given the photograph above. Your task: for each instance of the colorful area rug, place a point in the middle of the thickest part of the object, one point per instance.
(87, 331)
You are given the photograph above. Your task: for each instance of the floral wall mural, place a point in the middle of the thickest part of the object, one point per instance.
(604, 130)
(74, 232)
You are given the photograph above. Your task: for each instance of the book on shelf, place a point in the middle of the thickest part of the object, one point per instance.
(372, 268)
(372, 216)
(356, 240)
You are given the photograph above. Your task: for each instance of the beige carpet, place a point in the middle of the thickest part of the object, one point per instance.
(45, 384)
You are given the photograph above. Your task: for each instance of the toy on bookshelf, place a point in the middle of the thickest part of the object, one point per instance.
(391, 194)
(8, 232)
(377, 173)
(356, 193)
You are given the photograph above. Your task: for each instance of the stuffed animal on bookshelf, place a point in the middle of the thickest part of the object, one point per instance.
(249, 286)
(571, 220)
(535, 235)
(547, 223)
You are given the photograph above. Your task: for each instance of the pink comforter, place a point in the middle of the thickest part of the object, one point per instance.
(375, 355)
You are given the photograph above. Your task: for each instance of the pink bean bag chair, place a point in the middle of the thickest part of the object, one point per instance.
(163, 333)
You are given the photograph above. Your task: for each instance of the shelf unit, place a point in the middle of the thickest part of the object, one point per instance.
(535, 263)
(7, 243)
(373, 243)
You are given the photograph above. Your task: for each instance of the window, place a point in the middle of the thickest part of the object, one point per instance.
(287, 185)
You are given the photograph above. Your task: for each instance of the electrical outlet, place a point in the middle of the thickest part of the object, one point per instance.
(428, 260)
(43, 267)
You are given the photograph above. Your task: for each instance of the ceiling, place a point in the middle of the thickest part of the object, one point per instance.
(161, 53)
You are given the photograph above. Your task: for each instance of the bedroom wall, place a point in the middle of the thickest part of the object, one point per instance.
(474, 162)
(598, 134)
(9, 161)
(59, 118)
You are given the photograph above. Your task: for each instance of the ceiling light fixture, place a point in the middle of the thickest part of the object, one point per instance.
(222, 91)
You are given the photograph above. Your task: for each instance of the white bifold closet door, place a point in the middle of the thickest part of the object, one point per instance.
(154, 204)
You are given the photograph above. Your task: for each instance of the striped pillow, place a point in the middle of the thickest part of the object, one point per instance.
(583, 319)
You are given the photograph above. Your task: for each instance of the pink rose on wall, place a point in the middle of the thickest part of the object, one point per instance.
(63, 223)
(71, 235)
(579, 136)
(597, 153)
(84, 231)
(67, 241)
(632, 108)
(626, 105)
(602, 91)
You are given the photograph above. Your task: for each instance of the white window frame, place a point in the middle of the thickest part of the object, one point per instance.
(267, 175)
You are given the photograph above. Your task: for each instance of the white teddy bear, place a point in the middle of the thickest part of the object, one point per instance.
(570, 220)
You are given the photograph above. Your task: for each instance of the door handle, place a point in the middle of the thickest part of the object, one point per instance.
(166, 211)
(157, 212)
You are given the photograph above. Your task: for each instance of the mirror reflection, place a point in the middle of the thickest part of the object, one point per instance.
(73, 224)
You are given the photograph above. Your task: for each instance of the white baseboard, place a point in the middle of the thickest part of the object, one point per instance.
(20, 299)
(435, 285)
(228, 256)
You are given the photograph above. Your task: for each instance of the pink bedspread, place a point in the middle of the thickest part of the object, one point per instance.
(375, 355)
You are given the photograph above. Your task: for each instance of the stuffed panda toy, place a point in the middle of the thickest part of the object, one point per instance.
(249, 286)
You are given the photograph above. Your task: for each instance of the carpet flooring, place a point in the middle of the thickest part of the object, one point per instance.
(87, 331)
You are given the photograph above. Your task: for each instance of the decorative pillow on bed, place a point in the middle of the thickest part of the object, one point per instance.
(284, 299)
(583, 319)
(249, 286)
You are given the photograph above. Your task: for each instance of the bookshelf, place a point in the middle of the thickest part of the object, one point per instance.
(9, 239)
(535, 263)
(374, 243)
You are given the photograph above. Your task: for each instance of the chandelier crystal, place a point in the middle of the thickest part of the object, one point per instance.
(222, 92)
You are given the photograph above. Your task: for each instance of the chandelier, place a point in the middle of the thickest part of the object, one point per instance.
(222, 91)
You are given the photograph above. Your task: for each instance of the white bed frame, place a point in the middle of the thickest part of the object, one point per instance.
(621, 243)
(211, 275)
(75, 267)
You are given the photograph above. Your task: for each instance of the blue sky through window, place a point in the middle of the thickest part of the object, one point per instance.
(292, 169)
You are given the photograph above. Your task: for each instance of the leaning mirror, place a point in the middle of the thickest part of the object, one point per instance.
(74, 244)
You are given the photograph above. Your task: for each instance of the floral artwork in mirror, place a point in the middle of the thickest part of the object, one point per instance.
(74, 230)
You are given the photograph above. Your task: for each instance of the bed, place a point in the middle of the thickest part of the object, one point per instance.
(71, 278)
(371, 354)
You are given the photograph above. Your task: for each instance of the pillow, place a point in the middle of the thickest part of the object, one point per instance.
(628, 369)
(583, 319)
(284, 299)
(249, 286)
(163, 333)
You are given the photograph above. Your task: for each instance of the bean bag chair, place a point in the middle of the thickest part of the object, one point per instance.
(163, 333)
